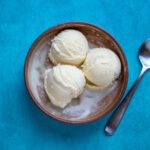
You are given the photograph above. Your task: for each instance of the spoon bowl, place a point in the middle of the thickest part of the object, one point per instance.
(144, 54)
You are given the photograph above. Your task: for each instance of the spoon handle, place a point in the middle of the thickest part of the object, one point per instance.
(117, 116)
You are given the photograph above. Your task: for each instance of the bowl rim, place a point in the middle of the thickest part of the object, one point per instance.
(39, 105)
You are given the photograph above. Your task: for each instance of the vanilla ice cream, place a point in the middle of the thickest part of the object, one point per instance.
(101, 67)
(68, 47)
(62, 83)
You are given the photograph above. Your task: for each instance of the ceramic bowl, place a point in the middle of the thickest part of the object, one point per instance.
(95, 104)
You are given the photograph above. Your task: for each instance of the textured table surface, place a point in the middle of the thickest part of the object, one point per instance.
(22, 125)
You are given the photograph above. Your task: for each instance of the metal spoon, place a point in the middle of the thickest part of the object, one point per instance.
(114, 121)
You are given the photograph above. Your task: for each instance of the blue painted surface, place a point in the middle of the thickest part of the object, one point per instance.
(22, 125)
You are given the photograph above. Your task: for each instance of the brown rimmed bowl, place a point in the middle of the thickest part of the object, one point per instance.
(37, 62)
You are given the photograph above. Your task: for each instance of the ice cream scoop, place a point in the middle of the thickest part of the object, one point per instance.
(101, 67)
(68, 47)
(62, 83)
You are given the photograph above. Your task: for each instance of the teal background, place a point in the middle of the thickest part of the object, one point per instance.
(22, 125)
